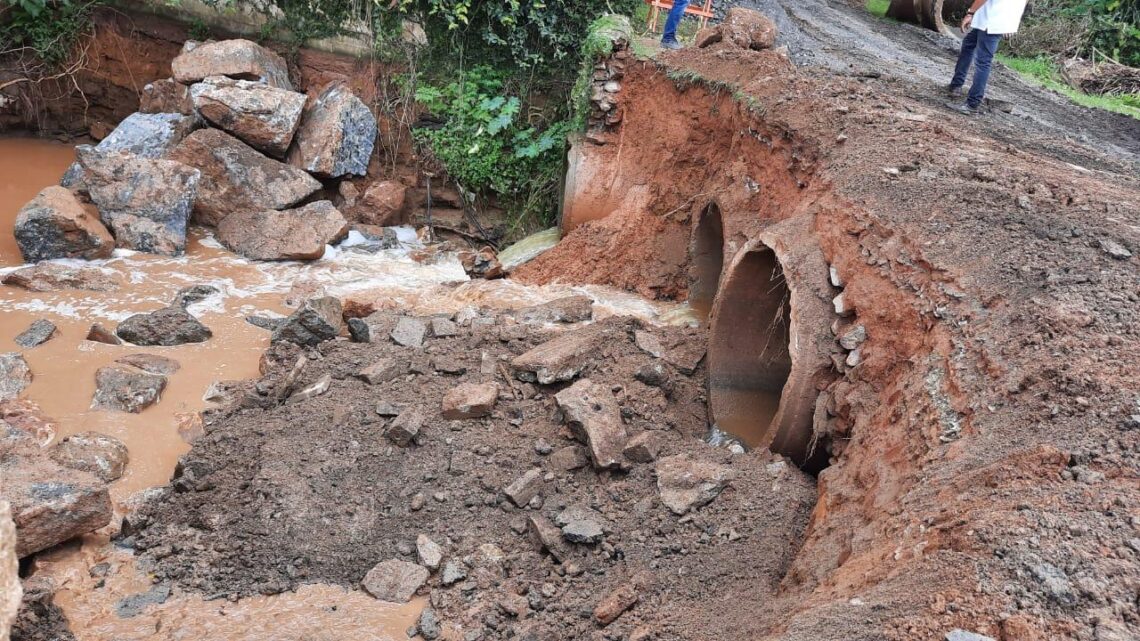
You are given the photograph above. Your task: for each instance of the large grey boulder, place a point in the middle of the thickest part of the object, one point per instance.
(263, 116)
(235, 177)
(293, 234)
(50, 503)
(336, 135)
(240, 59)
(145, 202)
(148, 135)
(55, 224)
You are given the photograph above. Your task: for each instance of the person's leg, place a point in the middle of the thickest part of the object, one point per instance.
(983, 60)
(965, 57)
(674, 19)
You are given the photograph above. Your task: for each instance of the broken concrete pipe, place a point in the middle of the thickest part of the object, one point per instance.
(707, 251)
(770, 342)
(931, 14)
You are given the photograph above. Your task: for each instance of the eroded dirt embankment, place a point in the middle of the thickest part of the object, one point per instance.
(983, 472)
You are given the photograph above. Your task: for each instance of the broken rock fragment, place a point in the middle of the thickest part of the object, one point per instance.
(264, 117)
(686, 484)
(394, 580)
(55, 224)
(292, 234)
(547, 536)
(382, 371)
(104, 456)
(15, 375)
(38, 333)
(642, 448)
(167, 326)
(570, 309)
(406, 426)
(615, 603)
(336, 135)
(593, 414)
(428, 552)
(126, 389)
(51, 503)
(145, 202)
(409, 332)
(100, 334)
(166, 96)
(470, 400)
(560, 359)
(315, 321)
(235, 177)
(237, 58)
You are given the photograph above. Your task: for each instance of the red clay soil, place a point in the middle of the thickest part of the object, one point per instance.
(984, 471)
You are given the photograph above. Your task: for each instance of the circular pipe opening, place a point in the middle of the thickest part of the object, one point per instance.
(748, 348)
(937, 15)
(707, 249)
(770, 343)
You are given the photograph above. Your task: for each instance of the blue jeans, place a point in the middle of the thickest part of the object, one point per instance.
(674, 19)
(978, 47)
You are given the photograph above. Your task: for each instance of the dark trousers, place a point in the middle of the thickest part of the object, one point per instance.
(978, 47)
(674, 19)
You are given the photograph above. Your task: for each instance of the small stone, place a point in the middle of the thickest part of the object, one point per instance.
(448, 365)
(382, 371)
(428, 625)
(648, 343)
(264, 322)
(1114, 249)
(547, 536)
(568, 458)
(642, 448)
(194, 294)
(38, 333)
(384, 408)
(417, 502)
(584, 531)
(442, 327)
(100, 334)
(126, 389)
(841, 305)
(409, 332)
(853, 337)
(615, 603)
(854, 358)
(653, 374)
(470, 400)
(524, 488)
(312, 391)
(428, 552)
(15, 375)
(315, 321)
(151, 363)
(453, 572)
(542, 447)
(104, 456)
(394, 580)
(833, 276)
(405, 427)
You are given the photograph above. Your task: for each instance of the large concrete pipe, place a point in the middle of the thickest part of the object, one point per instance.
(770, 341)
(707, 251)
(937, 15)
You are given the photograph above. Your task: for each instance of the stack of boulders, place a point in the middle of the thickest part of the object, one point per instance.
(226, 142)
(605, 81)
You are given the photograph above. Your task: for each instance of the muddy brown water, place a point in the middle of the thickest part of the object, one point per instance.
(64, 370)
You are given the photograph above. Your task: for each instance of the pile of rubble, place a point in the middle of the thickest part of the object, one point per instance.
(226, 142)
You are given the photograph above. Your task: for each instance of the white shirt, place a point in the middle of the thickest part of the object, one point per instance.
(999, 16)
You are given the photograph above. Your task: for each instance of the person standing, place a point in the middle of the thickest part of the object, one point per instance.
(669, 38)
(985, 23)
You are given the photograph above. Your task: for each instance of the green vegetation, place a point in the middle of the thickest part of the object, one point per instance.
(1044, 72)
(878, 7)
(49, 29)
(1084, 28)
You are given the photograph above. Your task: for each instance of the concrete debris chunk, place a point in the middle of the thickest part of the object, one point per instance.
(685, 484)
(593, 415)
(524, 488)
(560, 359)
(470, 400)
(394, 580)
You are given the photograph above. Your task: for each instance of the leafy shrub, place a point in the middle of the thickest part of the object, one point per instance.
(1081, 27)
(487, 147)
(49, 28)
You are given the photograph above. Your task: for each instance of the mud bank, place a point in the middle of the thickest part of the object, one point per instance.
(979, 289)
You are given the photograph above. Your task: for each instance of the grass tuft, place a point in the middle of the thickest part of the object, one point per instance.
(1044, 72)
(878, 7)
